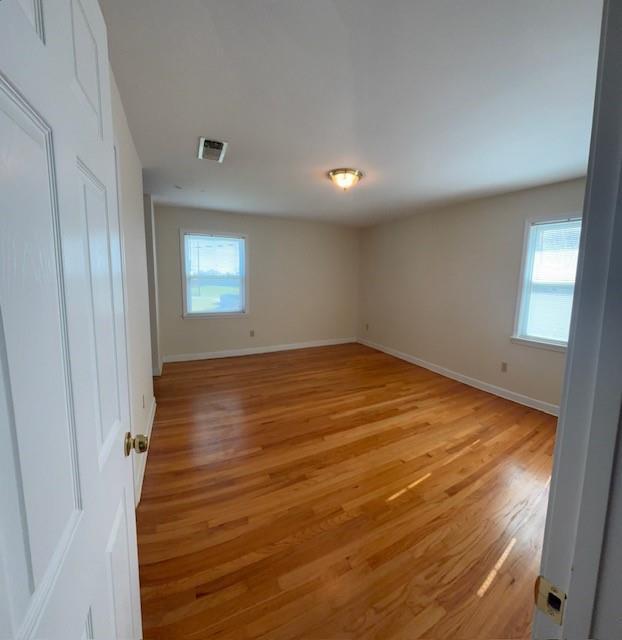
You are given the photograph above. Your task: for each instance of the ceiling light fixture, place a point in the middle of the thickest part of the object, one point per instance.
(345, 178)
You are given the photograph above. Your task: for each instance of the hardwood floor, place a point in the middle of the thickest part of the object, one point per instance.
(338, 493)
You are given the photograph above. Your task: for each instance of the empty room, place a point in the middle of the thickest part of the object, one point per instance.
(310, 320)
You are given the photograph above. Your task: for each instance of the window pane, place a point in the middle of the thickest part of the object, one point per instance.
(214, 274)
(549, 287)
(556, 252)
(549, 313)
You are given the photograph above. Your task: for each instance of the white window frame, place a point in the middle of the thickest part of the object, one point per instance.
(526, 265)
(188, 315)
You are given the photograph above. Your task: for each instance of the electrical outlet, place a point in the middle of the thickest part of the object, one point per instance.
(366, 326)
(504, 367)
(252, 333)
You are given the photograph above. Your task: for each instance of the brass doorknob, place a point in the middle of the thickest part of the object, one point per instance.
(140, 443)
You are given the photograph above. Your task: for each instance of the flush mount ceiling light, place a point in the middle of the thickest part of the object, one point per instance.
(345, 178)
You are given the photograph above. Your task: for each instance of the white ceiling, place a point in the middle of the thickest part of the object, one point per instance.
(435, 100)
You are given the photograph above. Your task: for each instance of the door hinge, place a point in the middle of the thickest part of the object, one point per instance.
(550, 599)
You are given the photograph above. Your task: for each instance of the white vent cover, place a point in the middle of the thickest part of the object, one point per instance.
(212, 149)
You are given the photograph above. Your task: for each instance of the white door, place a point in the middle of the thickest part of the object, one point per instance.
(581, 503)
(68, 561)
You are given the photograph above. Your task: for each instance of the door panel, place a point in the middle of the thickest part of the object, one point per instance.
(118, 583)
(96, 219)
(18, 564)
(89, 633)
(86, 61)
(68, 560)
(34, 13)
(31, 290)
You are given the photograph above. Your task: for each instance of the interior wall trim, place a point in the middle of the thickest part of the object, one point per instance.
(547, 407)
(142, 459)
(232, 353)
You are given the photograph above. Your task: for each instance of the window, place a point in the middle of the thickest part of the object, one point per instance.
(549, 269)
(214, 278)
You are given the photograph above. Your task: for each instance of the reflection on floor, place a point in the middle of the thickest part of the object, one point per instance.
(339, 492)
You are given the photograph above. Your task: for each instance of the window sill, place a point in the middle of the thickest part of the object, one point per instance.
(539, 344)
(203, 316)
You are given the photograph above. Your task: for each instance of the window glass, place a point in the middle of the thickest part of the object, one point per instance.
(215, 278)
(548, 281)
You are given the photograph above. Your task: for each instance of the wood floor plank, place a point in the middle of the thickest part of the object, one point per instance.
(338, 492)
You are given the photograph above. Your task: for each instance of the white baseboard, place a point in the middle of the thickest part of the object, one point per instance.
(141, 460)
(547, 407)
(231, 353)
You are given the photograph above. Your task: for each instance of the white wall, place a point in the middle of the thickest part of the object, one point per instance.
(152, 282)
(441, 286)
(129, 171)
(303, 283)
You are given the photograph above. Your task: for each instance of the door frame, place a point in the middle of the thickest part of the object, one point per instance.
(591, 402)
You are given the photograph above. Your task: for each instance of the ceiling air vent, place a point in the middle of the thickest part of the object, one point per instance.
(212, 149)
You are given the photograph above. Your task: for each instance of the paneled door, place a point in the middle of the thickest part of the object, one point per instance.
(68, 560)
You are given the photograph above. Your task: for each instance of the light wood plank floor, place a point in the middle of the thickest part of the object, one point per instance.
(339, 493)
